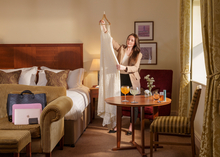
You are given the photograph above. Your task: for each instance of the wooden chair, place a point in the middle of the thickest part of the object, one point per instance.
(176, 126)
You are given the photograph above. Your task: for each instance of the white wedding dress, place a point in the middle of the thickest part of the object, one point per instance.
(109, 80)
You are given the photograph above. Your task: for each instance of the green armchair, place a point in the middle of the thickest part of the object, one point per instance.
(46, 135)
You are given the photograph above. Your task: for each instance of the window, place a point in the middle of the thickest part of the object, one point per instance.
(198, 62)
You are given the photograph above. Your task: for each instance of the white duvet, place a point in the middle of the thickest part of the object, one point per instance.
(81, 99)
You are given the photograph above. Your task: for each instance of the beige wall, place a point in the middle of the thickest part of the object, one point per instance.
(76, 21)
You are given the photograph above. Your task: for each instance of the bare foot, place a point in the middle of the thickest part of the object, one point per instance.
(130, 127)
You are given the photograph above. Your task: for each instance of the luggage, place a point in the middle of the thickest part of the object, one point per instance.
(21, 113)
(24, 99)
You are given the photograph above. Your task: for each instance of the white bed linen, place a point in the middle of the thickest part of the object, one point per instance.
(81, 99)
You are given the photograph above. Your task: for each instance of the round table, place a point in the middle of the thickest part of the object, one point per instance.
(142, 101)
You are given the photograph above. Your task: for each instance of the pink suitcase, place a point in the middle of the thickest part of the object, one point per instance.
(22, 112)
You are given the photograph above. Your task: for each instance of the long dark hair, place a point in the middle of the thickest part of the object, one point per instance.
(136, 48)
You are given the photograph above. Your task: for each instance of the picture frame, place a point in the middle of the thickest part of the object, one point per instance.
(144, 30)
(149, 53)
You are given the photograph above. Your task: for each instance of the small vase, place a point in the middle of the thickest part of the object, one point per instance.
(147, 93)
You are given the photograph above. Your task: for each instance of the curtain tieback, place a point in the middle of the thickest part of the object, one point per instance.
(185, 72)
(213, 75)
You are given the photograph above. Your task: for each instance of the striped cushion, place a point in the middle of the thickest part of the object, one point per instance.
(171, 124)
(193, 102)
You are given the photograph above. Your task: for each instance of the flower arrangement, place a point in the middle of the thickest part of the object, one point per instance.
(150, 82)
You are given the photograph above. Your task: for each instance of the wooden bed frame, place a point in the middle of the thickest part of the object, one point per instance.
(55, 56)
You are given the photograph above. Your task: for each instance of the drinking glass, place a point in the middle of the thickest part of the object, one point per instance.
(134, 91)
(125, 90)
(156, 96)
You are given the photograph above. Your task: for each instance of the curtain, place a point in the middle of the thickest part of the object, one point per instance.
(210, 17)
(185, 57)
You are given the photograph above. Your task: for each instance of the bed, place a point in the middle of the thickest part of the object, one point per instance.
(35, 60)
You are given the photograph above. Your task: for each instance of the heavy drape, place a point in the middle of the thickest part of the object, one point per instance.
(210, 17)
(185, 56)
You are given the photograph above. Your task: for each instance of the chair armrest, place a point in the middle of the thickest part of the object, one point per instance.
(56, 110)
(51, 120)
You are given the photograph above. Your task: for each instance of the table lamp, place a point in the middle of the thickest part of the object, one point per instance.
(95, 66)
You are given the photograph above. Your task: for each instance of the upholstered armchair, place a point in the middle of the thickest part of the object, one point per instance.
(163, 80)
(46, 135)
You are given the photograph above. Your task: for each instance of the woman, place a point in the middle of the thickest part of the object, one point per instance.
(129, 57)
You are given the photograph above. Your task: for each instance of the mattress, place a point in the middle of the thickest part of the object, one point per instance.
(81, 99)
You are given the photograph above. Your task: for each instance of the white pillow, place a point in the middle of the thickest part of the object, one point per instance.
(74, 79)
(28, 75)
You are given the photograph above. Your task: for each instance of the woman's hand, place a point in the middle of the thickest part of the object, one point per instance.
(120, 67)
(103, 25)
(102, 22)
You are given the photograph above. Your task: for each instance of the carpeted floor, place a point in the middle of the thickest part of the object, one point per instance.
(97, 142)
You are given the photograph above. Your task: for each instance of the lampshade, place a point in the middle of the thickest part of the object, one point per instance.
(95, 66)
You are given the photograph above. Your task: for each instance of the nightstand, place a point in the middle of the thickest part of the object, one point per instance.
(94, 93)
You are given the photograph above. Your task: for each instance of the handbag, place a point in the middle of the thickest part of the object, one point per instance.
(24, 99)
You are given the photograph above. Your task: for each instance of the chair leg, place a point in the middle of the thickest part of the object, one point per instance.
(151, 144)
(16, 154)
(28, 150)
(61, 143)
(48, 154)
(156, 137)
(193, 143)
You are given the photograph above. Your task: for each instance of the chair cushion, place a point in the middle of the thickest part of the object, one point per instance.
(34, 129)
(171, 124)
(13, 141)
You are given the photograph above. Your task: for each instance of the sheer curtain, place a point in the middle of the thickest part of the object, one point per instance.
(210, 17)
(185, 54)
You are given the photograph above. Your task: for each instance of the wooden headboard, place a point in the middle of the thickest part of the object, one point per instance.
(55, 56)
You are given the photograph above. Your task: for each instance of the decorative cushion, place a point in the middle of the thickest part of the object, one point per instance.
(171, 124)
(74, 79)
(57, 79)
(9, 78)
(28, 75)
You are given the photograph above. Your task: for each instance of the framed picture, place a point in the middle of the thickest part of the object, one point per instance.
(149, 52)
(144, 30)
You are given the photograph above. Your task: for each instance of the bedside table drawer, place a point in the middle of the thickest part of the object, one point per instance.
(94, 93)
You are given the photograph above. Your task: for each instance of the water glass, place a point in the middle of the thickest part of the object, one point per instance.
(134, 91)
